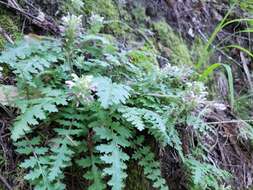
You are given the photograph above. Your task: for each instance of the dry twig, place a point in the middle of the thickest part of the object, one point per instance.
(246, 70)
(40, 19)
(4, 181)
(5, 35)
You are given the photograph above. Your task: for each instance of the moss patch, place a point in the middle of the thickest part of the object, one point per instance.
(172, 45)
(105, 8)
(110, 11)
(10, 24)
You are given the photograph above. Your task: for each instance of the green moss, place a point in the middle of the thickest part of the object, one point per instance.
(105, 8)
(10, 24)
(139, 15)
(144, 58)
(109, 11)
(172, 45)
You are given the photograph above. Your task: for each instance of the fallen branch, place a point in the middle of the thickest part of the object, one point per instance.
(5, 35)
(40, 19)
(229, 121)
(4, 181)
(13, 3)
(246, 70)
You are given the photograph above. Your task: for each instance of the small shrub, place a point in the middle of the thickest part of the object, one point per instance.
(93, 108)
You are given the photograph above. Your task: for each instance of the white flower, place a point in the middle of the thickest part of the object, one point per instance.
(70, 84)
(219, 106)
(75, 77)
(81, 87)
(196, 92)
(71, 19)
(72, 25)
(181, 73)
(96, 19)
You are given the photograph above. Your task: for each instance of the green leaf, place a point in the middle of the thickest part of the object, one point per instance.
(95, 175)
(29, 163)
(115, 158)
(60, 159)
(228, 69)
(204, 175)
(110, 93)
(112, 154)
(152, 170)
(31, 115)
(134, 116)
(31, 57)
(141, 118)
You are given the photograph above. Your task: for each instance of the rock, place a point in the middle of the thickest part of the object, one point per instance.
(8, 93)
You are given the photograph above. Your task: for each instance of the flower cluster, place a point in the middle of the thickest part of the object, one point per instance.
(96, 23)
(181, 73)
(95, 18)
(196, 93)
(81, 87)
(72, 26)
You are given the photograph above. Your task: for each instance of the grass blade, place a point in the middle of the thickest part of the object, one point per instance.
(209, 70)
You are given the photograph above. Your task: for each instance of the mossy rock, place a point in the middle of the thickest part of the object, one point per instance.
(172, 45)
(10, 24)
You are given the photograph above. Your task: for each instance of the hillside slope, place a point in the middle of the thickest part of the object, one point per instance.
(126, 94)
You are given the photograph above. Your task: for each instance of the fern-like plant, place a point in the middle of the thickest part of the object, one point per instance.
(86, 108)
